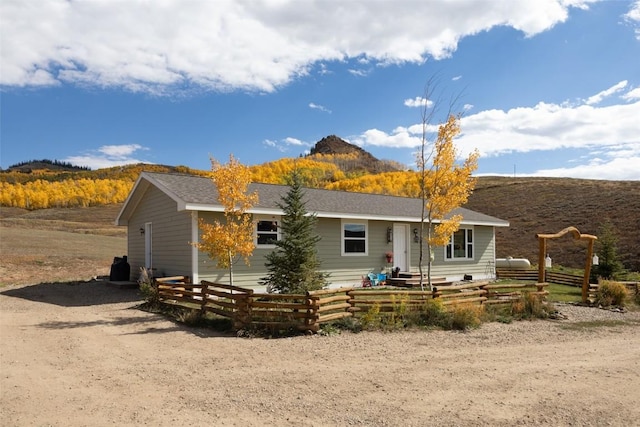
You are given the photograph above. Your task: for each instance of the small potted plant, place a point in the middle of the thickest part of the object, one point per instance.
(389, 257)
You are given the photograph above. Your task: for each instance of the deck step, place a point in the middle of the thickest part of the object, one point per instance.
(412, 280)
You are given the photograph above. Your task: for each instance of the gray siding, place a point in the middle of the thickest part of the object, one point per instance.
(348, 270)
(171, 237)
(480, 267)
(243, 275)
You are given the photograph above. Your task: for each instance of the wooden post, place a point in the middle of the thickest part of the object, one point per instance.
(541, 258)
(352, 303)
(242, 316)
(587, 273)
(577, 235)
(204, 290)
(310, 309)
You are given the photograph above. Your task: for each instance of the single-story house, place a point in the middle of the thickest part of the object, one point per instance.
(163, 209)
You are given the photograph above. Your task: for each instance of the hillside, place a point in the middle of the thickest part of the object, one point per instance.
(548, 205)
(31, 166)
(531, 205)
(351, 159)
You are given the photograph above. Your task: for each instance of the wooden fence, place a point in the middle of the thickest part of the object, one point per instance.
(306, 312)
(532, 275)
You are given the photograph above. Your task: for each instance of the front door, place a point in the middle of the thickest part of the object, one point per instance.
(400, 247)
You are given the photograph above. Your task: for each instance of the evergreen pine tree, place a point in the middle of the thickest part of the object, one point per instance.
(293, 265)
(608, 263)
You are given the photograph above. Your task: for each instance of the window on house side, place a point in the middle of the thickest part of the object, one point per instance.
(267, 232)
(460, 245)
(354, 238)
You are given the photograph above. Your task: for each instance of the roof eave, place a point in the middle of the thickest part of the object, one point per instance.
(335, 215)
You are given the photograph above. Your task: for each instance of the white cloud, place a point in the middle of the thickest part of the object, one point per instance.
(632, 94)
(399, 138)
(633, 17)
(609, 135)
(456, 78)
(358, 73)
(597, 98)
(238, 44)
(322, 108)
(274, 144)
(549, 127)
(283, 145)
(418, 101)
(108, 156)
(294, 141)
(618, 168)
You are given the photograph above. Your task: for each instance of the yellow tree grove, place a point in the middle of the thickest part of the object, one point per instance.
(313, 173)
(227, 241)
(401, 183)
(42, 194)
(445, 186)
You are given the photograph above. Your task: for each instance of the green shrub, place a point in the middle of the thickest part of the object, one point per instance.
(497, 313)
(345, 324)
(189, 317)
(611, 293)
(530, 306)
(148, 288)
(454, 317)
(433, 313)
(465, 316)
(397, 318)
(371, 319)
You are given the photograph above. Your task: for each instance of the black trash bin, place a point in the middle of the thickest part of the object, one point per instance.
(120, 269)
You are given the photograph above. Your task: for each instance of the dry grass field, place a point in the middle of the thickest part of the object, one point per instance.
(76, 352)
(52, 245)
(548, 205)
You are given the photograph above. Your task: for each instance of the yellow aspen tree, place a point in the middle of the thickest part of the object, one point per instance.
(445, 186)
(227, 241)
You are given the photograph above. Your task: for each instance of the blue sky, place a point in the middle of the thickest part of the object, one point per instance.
(546, 87)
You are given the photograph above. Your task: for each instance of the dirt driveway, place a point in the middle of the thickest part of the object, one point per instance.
(81, 355)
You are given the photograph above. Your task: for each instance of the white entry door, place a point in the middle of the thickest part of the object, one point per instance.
(148, 251)
(400, 246)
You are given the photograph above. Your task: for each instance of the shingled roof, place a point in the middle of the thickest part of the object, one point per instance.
(200, 194)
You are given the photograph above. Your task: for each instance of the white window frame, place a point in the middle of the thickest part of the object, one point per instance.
(260, 218)
(345, 222)
(467, 243)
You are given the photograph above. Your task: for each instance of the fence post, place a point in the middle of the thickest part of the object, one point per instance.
(204, 290)
(310, 322)
(352, 303)
(242, 315)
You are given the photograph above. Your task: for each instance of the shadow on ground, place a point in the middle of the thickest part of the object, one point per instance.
(74, 294)
(95, 293)
(156, 324)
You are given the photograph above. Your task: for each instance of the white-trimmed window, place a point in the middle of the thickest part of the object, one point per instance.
(266, 231)
(460, 245)
(354, 237)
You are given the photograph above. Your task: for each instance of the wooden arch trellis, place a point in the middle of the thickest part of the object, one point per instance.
(542, 241)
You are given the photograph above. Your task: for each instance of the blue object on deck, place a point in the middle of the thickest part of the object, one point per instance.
(373, 279)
